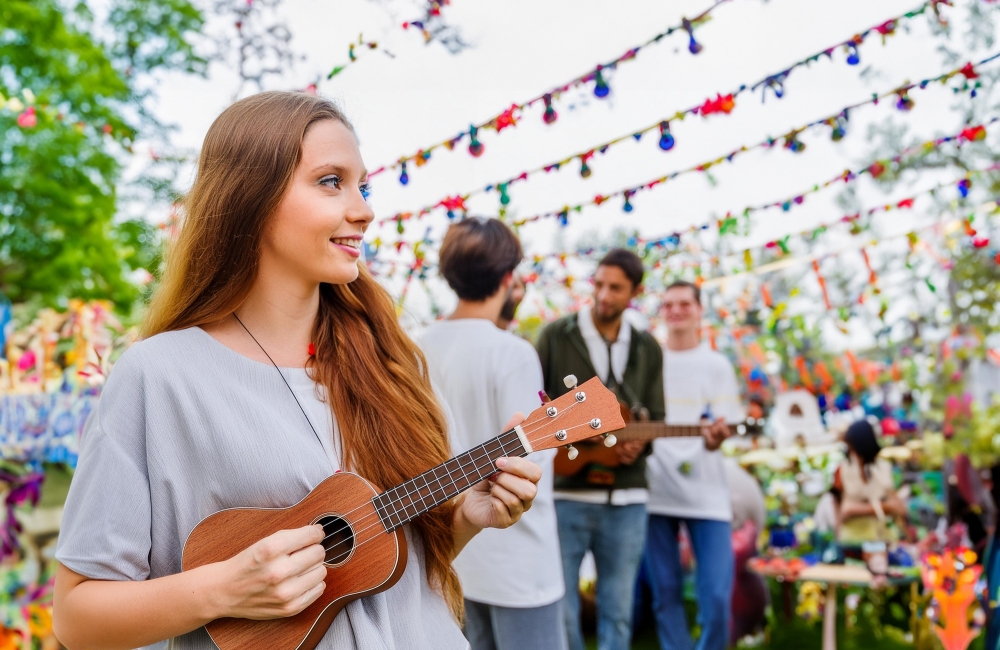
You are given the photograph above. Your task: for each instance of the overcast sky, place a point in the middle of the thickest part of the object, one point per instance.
(521, 48)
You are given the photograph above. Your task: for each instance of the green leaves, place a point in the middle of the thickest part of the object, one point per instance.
(60, 232)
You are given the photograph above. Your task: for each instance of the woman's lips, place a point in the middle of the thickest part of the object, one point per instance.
(350, 245)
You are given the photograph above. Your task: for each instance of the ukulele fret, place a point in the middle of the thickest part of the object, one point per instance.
(403, 503)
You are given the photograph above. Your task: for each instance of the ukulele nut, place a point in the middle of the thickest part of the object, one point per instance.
(595, 423)
(561, 434)
(581, 396)
(551, 411)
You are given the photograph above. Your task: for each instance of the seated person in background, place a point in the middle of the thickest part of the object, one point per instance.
(867, 492)
(750, 595)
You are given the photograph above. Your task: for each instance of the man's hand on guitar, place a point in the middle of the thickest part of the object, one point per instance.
(278, 576)
(629, 451)
(499, 501)
(715, 433)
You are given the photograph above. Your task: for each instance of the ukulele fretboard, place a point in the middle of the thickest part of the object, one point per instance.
(408, 501)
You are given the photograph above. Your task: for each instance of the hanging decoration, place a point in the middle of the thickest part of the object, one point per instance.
(352, 56)
(969, 133)
(595, 75)
(671, 243)
(723, 103)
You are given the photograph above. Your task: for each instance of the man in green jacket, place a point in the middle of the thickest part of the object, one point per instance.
(601, 507)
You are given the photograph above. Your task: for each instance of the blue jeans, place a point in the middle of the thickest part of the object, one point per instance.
(615, 535)
(713, 551)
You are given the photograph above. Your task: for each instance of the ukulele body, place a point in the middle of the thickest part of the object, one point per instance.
(366, 560)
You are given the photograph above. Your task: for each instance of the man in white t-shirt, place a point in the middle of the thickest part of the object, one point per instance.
(687, 480)
(513, 581)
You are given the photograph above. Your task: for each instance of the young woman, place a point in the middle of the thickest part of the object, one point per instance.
(271, 360)
(867, 493)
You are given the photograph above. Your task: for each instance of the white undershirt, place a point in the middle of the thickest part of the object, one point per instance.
(605, 360)
(685, 479)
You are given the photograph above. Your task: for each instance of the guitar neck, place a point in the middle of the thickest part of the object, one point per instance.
(404, 503)
(651, 430)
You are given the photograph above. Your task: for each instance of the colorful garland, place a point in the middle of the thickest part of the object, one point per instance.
(723, 103)
(510, 116)
(837, 122)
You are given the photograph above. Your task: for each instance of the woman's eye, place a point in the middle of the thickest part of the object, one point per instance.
(330, 181)
(366, 190)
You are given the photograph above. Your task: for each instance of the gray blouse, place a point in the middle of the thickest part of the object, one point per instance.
(186, 427)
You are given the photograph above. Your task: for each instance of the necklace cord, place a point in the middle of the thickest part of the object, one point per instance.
(301, 408)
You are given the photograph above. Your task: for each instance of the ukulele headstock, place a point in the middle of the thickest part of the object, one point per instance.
(586, 411)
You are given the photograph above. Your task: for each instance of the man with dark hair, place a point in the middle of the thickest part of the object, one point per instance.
(687, 480)
(512, 582)
(602, 508)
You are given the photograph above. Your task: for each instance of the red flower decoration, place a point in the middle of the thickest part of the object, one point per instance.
(718, 105)
(969, 71)
(453, 203)
(974, 133)
(27, 119)
(507, 118)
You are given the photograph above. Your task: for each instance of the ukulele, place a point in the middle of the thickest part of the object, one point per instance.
(365, 545)
(570, 461)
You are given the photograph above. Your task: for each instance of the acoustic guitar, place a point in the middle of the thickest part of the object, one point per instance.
(365, 545)
(570, 461)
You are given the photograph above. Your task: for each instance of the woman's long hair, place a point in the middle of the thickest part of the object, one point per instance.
(860, 438)
(376, 378)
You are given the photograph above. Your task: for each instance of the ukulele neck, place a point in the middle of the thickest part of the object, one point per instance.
(404, 503)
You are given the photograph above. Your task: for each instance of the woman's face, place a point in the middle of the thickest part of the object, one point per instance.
(315, 233)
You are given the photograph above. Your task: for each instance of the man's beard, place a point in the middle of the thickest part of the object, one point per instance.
(606, 318)
(509, 307)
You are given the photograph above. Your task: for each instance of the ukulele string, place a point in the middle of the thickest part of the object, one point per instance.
(460, 467)
(358, 534)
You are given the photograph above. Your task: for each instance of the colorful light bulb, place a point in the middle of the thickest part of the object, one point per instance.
(853, 57)
(550, 114)
(585, 170)
(627, 207)
(504, 197)
(601, 88)
(404, 178)
(963, 188)
(903, 102)
(694, 47)
(839, 129)
(475, 146)
(666, 139)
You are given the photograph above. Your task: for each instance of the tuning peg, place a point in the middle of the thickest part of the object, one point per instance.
(573, 452)
(542, 395)
(570, 381)
(609, 439)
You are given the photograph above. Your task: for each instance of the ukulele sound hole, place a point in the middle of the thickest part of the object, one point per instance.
(339, 539)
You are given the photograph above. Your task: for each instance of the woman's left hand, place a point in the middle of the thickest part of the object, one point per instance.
(500, 500)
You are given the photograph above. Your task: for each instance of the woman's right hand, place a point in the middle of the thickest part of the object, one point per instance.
(278, 576)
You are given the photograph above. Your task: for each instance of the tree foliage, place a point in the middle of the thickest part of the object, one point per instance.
(73, 101)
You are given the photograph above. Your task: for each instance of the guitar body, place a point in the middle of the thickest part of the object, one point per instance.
(368, 560)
